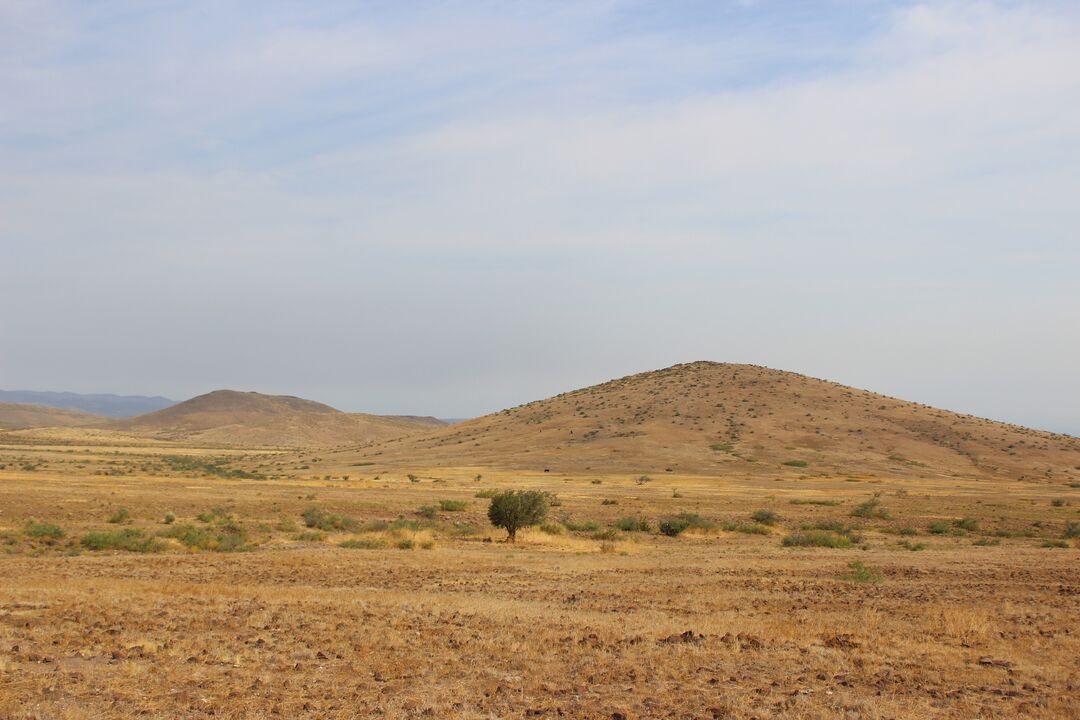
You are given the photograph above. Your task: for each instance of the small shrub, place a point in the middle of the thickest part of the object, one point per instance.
(827, 503)
(586, 526)
(453, 505)
(609, 501)
(129, 540)
(938, 527)
(968, 524)
(1072, 530)
(986, 542)
(310, 536)
(817, 538)
(169, 518)
(607, 547)
(487, 493)
(42, 531)
(225, 537)
(765, 517)
(552, 529)
(406, 544)
(608, 534)
(316, 518)
(796, 463)
(632, 524)
(413, 478)
(861, 573)
(1055, 544)
(673, 527)
(120, 516)
(870, 509)
(1057, 503)
(363, 544)
(427, 511)
(914, 547)
(596, 481)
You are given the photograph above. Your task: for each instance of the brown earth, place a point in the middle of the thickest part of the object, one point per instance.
(437, 617)
(253, 419)
(17, 415)
(723, 419)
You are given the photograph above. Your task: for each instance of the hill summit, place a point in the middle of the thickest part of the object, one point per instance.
(251, 418)
(719, 418)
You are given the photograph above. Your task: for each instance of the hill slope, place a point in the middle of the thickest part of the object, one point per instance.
(114, 406)
(249, 418)
(15, 416)
(720, 419)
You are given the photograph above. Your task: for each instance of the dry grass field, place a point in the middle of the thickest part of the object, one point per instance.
(943, 596)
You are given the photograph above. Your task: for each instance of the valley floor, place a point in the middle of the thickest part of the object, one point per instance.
(435, 617)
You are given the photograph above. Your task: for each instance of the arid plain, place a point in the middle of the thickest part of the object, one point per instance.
(724, 541)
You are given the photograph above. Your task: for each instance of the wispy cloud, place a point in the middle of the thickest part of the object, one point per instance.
(834, 167)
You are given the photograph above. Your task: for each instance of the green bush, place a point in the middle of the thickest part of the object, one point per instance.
(968, 524)
(427, 511)
(128, 539)
(169, 518)
(406, 544)
(120, 516)
(938, 527)
(870, 509)
(817, 538)
(1072, 530)
(914, 547)
(316, 518)
(225, 537)
(310, 536)
(586, 526)
(552, 528)
(632, 524)
(213, 514)
(861, 573)
(796, 463)
(453, 505)
(516, 509)
(487, 493)
(43, 531)
(827, 503)
(765, 517)
(673, 527)
(1055, 544)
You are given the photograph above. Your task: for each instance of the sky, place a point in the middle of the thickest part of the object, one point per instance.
(453, 207)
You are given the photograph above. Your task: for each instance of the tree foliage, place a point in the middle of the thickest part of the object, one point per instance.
(515, 509)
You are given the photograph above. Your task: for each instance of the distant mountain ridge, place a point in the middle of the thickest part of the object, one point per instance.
(107, 405)
(18, 416)
(250, 418)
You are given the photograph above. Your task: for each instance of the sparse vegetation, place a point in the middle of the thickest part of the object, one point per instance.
(120, 516)
(128, 540)
(632, 524)
(797, 463)
(765, 517)
(859, 572)
(871, 509)
(817, 538)
(42, 531)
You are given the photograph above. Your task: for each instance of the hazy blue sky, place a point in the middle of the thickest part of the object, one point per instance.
(453, 207)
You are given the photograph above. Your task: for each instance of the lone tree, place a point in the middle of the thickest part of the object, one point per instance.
(515, 509)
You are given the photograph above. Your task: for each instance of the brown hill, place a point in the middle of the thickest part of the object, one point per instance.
(16, 416)
(249, 418)
(716, 418)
